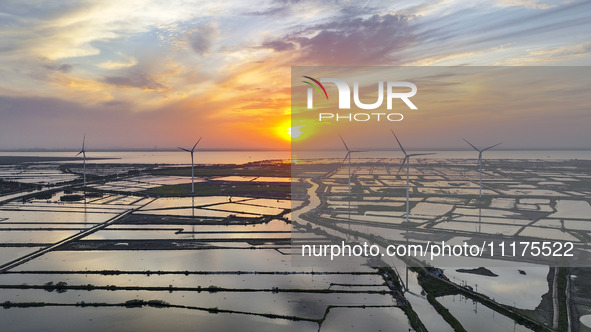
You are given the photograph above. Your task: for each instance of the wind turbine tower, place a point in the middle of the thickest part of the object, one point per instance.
(192, 165)
(348, 156)
(83, 152)
(480, 151)
(406, 161)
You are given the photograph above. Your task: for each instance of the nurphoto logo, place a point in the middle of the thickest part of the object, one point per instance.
(344, 99)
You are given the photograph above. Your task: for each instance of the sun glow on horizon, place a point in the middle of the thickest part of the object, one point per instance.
(283, 130)
(294, 132)
(288, 132)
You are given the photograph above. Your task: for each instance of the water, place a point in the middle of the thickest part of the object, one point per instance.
(367, 319)
(9, 253)
(301, 304)
(572, 209)
(239, 157)
(474, 316)
(510, 287)
(165, 157)
(174, 260)
(272, 226)
(141, 319)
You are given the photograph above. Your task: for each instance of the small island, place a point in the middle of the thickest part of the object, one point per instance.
(480, 271)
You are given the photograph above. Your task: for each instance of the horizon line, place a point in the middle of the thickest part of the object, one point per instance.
(277, 150)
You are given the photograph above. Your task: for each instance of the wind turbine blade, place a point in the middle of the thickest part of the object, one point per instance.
(346, 156)
(490, 147)
(405, 160)
(193, 149)
(83, 141)
(183, 149)
(401, 148)
(77, 154)
(479, 157)
(475, 148)
(346, 147)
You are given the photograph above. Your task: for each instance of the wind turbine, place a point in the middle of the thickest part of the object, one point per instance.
(407, 161)
(83, 151)
(348, 155)
(192, 165)
(480, 151)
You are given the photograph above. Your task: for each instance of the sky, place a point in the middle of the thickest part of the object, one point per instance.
(523, 107)
(146, 74)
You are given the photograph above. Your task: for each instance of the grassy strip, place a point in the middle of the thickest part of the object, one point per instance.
(150, 303)
(136, 303)
(447, 316)
(562, 312)
(413, 318)
(62, 287)
(248, 189)
(159, 272)
(391, 278)
(227, 170)
(435, 287)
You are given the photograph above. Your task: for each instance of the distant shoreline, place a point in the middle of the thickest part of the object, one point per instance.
(11, 160)
(291, 150)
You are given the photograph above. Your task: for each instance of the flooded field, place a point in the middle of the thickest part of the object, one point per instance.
(521, 201)
(135, 247)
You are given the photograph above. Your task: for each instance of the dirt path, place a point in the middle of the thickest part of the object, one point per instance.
(555, 299)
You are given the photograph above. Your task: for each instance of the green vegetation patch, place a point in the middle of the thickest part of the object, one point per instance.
(275, 170)
(562, 314)
(434, 285)
(248, 189)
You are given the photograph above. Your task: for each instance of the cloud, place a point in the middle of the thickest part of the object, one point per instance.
(56, 66)
(66, 29)
(51, 129)
(279, 45)
(305, 9)
(470, 29)
(61, 124)
(110, 65)
(279, 8)
(549, 55)
(274, 11)
(526, 3)
(265, 104)
(136, 80)
(350, 41)
(116, 103)
(202, 39)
